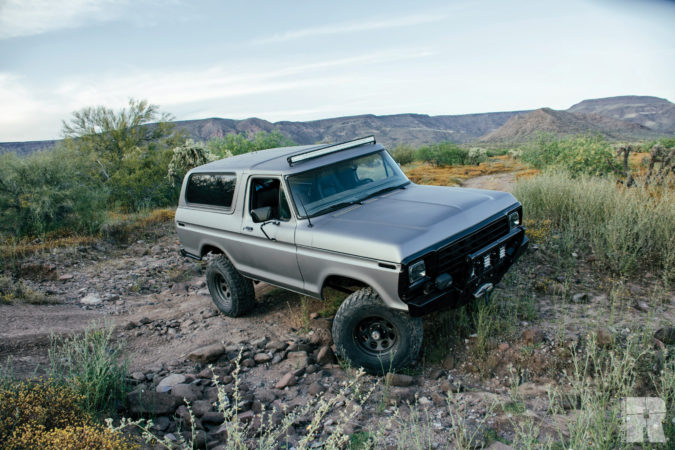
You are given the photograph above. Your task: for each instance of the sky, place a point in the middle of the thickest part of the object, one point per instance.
(306, 60)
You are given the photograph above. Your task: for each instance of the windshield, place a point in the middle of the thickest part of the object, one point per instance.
(343, 183)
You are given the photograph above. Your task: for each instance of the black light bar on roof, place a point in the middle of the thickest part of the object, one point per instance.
(330, 149)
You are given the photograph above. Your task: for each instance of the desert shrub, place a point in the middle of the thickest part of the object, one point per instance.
(93, 364)
(443, 154)
(578, 155)
(628, 230)
(11, 290)
(236, 144)
(476, 156)
(403, 153)
(68, 438)
(47, 191)
(185, 157)
(40, 404)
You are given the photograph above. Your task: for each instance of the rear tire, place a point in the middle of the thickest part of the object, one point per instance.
(373, 336)
(232, 293)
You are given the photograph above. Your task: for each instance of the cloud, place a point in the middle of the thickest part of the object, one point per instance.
(36, 111)
(31, 17)
(350, 27)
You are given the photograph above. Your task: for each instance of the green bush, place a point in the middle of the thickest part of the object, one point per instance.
(578, 155)
(48, 191)
(628, 230)
(237, 144)
(443, 154)
(403, 154)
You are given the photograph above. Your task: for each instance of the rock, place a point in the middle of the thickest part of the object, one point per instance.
(201, 407)
(666, 335)
(66, 277)
(642, 306)
(170, 381)
(262, 358)
(605, 339)
(397, 379)
(213, 417)
(189, 392)
(435, 374)
(150, 402)
(138, 376)
(296, 360)
(504, 346)
(447, 386)
(581, 297)
(402, 395)
(184, 415)
(248, 362)
(207, 354)
(448, 362)
(532, 336)
(316, 389)
(265, 396)
(287, 380)
(321, 337)
(325, 355)
(91, 300)
(246, 416)
(259, 343)
(144, 321)
(161, 423)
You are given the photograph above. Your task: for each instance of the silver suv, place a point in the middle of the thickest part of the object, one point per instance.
(345, 216)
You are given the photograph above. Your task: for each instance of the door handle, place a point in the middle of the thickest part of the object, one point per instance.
(181, 224)
(248, 228)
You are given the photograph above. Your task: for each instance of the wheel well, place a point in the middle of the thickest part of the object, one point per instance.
(210, 249)
(342, 284)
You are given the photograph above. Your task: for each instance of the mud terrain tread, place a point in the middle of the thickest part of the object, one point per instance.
(243, 293)
(363, 303)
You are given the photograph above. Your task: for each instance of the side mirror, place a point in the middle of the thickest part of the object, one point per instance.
(261, 214)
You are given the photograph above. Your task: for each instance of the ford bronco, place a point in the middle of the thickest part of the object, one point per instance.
(345, 216)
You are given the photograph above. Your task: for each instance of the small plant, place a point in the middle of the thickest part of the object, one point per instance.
(94, 365)
(17, 291)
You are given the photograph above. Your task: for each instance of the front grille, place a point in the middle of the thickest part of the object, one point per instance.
(452, 258)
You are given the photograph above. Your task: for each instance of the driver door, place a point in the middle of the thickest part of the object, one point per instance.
(268, 246)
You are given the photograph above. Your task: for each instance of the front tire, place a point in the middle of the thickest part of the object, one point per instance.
(232, 293)
(373, 336)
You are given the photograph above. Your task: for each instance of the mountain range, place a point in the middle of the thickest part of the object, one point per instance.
(616, 118)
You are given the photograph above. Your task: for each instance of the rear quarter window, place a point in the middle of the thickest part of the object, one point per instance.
(211, 189)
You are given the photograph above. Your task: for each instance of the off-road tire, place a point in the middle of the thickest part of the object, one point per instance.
(232, 293)
(364, 310)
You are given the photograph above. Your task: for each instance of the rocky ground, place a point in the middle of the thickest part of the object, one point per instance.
(160, 307)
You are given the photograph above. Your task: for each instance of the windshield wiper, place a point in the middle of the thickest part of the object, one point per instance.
(336, 206)
(387, 189)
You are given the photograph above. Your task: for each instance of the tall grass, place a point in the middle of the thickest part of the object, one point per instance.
(93, 364)
(628, 230)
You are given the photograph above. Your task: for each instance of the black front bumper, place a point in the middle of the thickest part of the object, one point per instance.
(456, 296)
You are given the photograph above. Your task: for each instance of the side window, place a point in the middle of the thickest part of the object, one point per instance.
(211, 189)
(268, 192)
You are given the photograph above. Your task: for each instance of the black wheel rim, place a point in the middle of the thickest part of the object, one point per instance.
(222, 289)
(375, 335)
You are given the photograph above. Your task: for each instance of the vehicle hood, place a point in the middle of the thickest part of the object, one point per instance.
(403, 222)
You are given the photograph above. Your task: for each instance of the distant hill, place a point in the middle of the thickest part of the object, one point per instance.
(625, 117)
(415, 129)
(25, 148)
(653, 112)
(524, 127)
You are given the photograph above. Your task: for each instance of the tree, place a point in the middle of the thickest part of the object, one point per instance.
(129, 147)
(236, 144)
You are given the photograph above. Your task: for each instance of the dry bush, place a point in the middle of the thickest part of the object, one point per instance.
(68, 438)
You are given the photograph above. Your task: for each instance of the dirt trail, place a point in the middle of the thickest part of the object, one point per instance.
(499, 182)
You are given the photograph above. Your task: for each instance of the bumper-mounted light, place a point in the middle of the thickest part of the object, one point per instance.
(416, 271)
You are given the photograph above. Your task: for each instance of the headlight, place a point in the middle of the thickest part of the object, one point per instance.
(514, 219)
(417, 271)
